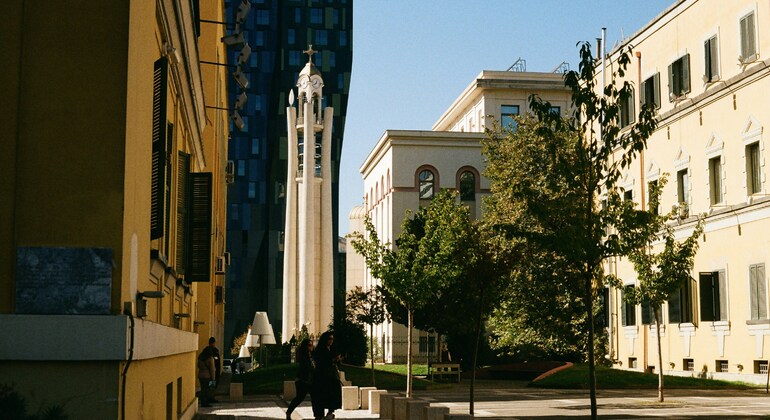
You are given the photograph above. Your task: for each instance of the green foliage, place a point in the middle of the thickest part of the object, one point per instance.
(349, 340)
(14, 406)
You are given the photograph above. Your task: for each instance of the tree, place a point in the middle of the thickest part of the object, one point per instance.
(556, 206)
(422, 262)
(660, 274)
(349, 339)
(368, 307)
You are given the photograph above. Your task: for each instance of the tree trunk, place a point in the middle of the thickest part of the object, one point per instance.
(656, 311)
(371, 350)
(476, 350)
(410, 312)
(591, 362)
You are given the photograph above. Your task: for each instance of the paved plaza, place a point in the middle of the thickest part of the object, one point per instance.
(512, 400)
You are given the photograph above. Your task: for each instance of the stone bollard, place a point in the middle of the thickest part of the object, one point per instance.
(236, 391)
(363, 396)
(350, 398)
(457, 417)
(399, 407)
(414, 409)
(374, 400)
(386, 405)
(432, 412)
(289, 390)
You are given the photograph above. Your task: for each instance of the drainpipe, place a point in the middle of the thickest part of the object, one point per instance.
(125, 368)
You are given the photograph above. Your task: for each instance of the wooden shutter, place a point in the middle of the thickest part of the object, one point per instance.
(160, 80)
(709, 296)
(758, 291)
(685, 88)
(722, 294)
(198, 267)
(656, 90)
(671, 82)
(182, 193)
(643, 95)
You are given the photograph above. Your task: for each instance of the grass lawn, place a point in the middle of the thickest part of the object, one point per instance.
(269, 380)
(576, 377)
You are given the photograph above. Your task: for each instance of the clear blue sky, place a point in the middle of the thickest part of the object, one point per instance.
(412, 58)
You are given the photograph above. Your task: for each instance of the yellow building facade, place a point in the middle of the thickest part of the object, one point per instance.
(703, 65)
(112, 217)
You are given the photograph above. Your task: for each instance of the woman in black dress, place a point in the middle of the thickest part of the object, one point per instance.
(304, 374)
(327, 388)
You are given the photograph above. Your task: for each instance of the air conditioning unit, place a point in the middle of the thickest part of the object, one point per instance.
(227, 258)
(230, 172)
(220, 267)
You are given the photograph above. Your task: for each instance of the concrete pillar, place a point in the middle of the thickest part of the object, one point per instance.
(236, 391)
(289, 390)
(363, 396)
(350, 398)
(431, 412)
(375, 399)
(386, 405)
(399, 407)
(414, 409)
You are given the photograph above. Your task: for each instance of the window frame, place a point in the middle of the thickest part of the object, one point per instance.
(679, 80)
(753, 168)
(650, 91)
(711, 59)
(424, 182)
(748, 37)
(712, 288)
(627, 310)
(716, 196)
(626, 111)
(510, 116)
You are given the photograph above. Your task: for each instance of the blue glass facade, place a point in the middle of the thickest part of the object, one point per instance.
(278, 31)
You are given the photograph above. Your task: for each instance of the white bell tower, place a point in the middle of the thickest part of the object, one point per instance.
(308, 274)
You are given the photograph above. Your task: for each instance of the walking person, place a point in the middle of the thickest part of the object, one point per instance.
(304, 355)
(327, 388)
(207, 373)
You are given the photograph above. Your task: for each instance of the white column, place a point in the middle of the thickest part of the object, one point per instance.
(289, 309)
(306, 257)
(326, 303)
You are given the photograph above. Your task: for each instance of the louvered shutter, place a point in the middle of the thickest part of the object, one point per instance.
(753, 292)
(643, 95)
(656, 90)
(685, 88)
(183, 174)
(758, 286)
(198, 267)
(160, 81)
(671, 82)
(722, 295)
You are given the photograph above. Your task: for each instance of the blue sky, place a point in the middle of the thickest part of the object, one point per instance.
(412, 58)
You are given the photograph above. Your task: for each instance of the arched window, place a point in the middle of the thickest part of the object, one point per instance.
(427, 185)
(467, 186)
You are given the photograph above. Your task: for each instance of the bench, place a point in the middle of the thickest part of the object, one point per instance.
(442, 369)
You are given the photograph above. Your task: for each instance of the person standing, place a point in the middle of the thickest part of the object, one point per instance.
(327, 388)
(207, 373)
(304, 355)
(217, 368)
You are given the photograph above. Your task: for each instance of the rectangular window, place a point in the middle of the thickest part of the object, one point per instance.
(332, 59)
(335, 17)
(760, 366)
(259, 38)
(628, 195)
(722, 366)
(262, 17)
(683, 186)
(627, 110)
(632, 362)
(294, 58)
(748, 38)
(713, 296)
(715, 180)
(648, 315)
(556, 110)
(316, 15)
(241, 167)
(711, 52)
(758, 291)
(650, 92)
(679, 77)
(343, 38)
(252, 189)
(507, 112)
(753, 180)
(688, 364)
(628, 310)
(291, 36)
(255, 146)
(297, 15)
(680, 304)
(321, 37)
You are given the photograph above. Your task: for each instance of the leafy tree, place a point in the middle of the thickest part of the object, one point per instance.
(660, 274)
(349, 339)
(367, 307)
(560, 199)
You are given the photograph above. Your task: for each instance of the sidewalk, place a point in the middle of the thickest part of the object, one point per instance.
(511, 400)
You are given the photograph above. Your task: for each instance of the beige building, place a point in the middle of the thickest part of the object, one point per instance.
(112, 218)
(702, 64)
(406, 168)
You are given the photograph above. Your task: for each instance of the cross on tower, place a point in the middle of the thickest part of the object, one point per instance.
(310, 51)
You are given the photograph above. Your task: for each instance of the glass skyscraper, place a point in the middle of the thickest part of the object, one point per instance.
(278, 31)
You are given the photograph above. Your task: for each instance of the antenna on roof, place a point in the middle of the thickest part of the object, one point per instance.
(561, 68)
(520, 65)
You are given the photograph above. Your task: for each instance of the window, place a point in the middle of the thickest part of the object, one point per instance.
(628, 310)
(252, 189)
(259, 38)
(316, 15)
(343, 38)
(255, 146)
(650, 92)
(760, 366)
(556, 110)
(335, 16)
(679, 77)
(263, 17)
(753, 180)
(321, 37)
(426, 185)
(297, 15)
(715, 180)
(683, 186)
(291, 36)
(507, 112)
(688, 364)
(758, 291)
(648, 315)
(332, 59)
(626, 109)
(713, 296)
(632, 362)
(628, 195)
(711, 52)
(467, 186)
(722, 366)
(748, 38)
(680, 304)
(294, 58)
